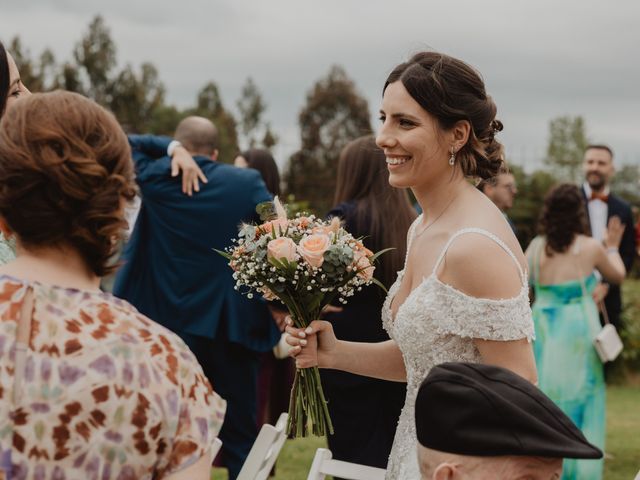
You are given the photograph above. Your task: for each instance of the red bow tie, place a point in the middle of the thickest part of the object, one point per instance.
(599, 196)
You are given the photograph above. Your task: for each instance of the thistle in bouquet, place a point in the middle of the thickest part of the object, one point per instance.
(306, 263)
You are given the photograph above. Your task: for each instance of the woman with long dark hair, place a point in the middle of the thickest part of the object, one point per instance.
(365, 410)
(562, 261)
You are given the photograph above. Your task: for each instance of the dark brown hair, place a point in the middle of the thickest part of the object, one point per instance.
(563, 217)
(382, 211)
(65, 169)
(263, 161)
(4, 78)
(451, 90)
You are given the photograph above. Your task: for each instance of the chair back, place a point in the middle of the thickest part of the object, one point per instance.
(265, 451)
(217, 445)
(323, 465)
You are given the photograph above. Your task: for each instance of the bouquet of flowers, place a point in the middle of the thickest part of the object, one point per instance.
(306, 263)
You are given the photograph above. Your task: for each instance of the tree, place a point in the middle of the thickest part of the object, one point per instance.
(567, 143)
(95, 55)
(135, 98)
(335, 114)
(251, 108)
(209, 105)
(626, 183)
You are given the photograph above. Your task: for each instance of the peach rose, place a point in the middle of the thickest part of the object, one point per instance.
(280, 248)
(312, 248)
(363, 265)
(267, 294)
(279, 225)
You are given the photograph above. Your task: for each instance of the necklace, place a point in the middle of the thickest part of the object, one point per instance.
(436, 219)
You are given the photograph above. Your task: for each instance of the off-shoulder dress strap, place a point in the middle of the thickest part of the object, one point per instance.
(487, 234)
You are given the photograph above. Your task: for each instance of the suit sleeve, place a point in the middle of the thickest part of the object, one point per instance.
(628, 243)
(150, 147)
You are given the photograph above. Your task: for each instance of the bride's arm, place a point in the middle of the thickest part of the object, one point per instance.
(318, 345)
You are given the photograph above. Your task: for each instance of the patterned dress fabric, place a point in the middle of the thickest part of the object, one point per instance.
(100, 391)
(569, 370)
(437, 323)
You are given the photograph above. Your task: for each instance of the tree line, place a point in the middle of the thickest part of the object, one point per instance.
(334, 113)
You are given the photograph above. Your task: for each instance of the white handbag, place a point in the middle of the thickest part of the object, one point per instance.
(607, 342)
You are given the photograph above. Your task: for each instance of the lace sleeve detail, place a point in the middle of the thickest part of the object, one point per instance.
(487, 319)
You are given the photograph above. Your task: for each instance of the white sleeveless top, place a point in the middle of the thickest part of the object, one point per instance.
(437, 323)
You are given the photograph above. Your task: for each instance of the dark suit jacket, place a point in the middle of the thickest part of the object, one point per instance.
(170, 271)
(618, 207)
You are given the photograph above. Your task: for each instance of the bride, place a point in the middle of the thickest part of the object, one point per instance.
(463, 294)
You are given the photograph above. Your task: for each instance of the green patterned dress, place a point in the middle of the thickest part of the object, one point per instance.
(569, 370)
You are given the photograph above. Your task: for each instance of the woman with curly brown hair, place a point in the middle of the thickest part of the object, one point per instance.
(562, 262)
(90, 387)
(462, 295)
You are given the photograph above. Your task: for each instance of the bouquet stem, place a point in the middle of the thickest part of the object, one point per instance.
(307, 403)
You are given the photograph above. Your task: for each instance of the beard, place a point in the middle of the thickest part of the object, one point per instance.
(596, 181)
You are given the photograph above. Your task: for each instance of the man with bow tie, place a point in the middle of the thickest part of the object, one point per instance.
(602, 205)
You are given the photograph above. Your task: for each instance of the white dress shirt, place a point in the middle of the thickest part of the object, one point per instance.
(598, 211)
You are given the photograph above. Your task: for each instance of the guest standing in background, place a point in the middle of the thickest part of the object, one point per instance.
(602, 206)
(276, 375)
(562, 262)
(91, 388)
(11, 89)
(501, 190)
(365, 410)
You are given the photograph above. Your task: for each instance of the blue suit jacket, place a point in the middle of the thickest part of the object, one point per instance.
(170, 271)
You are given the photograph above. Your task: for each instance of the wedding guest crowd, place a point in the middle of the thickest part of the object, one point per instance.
(88, 378)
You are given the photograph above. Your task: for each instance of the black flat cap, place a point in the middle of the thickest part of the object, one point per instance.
(483, 410)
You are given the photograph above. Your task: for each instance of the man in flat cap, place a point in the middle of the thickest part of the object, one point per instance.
(481, 422)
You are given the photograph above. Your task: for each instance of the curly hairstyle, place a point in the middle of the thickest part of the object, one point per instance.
(451, 90)
(65, 174)
(563, 217)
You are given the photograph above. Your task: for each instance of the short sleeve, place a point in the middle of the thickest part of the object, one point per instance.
(486, 319)
(200, 414)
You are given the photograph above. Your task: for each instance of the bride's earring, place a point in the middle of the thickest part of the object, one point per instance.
(452, 158)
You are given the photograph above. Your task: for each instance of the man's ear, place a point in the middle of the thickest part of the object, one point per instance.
(445, 471)
(214, 155)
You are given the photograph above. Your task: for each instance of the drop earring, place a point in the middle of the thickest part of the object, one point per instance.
(452, 158)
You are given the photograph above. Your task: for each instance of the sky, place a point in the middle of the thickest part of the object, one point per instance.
(540, 59)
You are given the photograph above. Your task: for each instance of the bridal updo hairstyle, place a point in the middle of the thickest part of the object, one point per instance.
(65, 176)
(563, 216)
(450, 90)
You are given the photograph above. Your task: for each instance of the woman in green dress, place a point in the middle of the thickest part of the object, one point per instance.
(566, 265)
(11, 88)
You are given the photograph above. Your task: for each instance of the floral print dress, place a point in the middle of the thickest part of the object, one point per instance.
(100, 391)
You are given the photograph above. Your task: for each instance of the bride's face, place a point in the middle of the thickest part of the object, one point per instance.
(415, 146)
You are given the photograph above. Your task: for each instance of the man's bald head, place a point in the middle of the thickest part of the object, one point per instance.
(198, 135)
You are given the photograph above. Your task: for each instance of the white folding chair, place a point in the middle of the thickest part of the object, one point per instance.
(264, 451)
(323, 465)
(217, 445)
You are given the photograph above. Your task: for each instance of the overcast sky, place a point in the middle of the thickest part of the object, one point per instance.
(540, 59)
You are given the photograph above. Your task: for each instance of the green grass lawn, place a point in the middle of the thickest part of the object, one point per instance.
(623, 442)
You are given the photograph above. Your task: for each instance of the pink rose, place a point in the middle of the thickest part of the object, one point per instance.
(363, 265)
(282, 247)
(312, 248)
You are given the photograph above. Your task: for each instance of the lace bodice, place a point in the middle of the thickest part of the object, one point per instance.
(437, 323)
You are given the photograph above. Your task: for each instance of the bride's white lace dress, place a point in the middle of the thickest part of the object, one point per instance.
(437, 323)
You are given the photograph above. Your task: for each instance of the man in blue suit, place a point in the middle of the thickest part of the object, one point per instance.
(172, 274)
